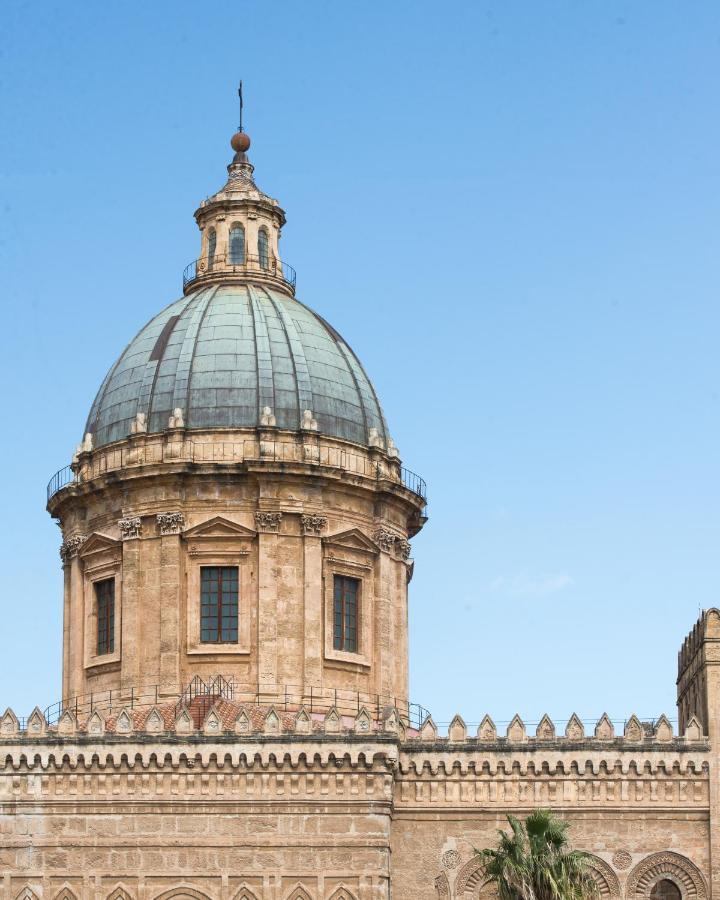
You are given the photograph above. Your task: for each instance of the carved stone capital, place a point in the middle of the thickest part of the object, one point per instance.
(170, 523)
(384, 539)
(313, 524)
(403, 548)
(268, 521)
(70, 547)
(130, 527)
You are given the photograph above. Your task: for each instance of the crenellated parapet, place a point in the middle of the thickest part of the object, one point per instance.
(697, 682)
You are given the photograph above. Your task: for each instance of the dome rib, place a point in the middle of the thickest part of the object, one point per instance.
(233, 350)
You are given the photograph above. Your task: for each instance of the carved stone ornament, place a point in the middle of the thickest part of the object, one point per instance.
(268, 521)
(130, 527)
(384, 539)
(450, 859)
(313, 524)
(442, 886)
(170, 523)
(403, 548)
(71, 546)
(621, 859)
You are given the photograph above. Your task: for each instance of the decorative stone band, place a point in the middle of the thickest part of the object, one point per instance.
(130, 528)
(313, 525)
(170, 523)
(70, 547)
(635, 734)
(268, 521)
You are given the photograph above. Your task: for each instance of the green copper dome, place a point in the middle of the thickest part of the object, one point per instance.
(225, 352)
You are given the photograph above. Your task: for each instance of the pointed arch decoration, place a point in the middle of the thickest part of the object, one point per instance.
(120, 893)
(183, 892)
(299, 892)
(604, 877)
(442, 885)
(342, 893)
(27, 894)
(666, 865)
(65, 893)
(245, 893)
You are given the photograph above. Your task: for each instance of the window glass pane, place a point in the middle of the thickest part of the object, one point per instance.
(212, 243)
(105, 607)
(345, 613)
(218, 604)
(263, 248)
(237, 245)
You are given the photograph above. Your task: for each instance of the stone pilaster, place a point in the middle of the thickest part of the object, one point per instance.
(312, 528)
(131, 618)
(170, 644)
(268, 525)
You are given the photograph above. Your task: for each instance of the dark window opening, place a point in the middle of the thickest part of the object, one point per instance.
(218, 604)
(665, 890)
(237, 245)
(212, 244)
(105, 600)
(263, 248)
(345, 613)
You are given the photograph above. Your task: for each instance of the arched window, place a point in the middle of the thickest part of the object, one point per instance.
(665, 890)
(237, 245)
(263, 248)
(211, 245)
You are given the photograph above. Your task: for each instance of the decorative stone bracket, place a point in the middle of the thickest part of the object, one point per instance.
(268, 521)
(170, 523)
(130, 528)
(313, 525)
(70, 547)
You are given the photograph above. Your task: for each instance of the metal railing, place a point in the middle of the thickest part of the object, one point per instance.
(60, 480)
(284, 697)
(413, 482)
(222, 264)
(283, 451)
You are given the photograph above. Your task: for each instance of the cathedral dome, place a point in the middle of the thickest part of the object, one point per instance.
(235, 355)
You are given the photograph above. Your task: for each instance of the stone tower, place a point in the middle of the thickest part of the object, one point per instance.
(237, 507)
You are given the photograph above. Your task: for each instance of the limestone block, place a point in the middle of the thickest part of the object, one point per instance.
(487, 732)
(604, 730)
(516, 732)
(574, 730)
(428, 730)
(545, 730)
(457, 731)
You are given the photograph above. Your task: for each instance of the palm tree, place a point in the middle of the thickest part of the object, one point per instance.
(535, 862)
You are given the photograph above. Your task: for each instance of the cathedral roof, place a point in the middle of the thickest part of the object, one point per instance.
(238, 351)
(225, 353)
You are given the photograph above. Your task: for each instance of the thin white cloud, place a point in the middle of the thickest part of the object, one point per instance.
(523, 585)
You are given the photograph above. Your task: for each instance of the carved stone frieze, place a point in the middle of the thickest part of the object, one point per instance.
(170, 523)
(313, 525)
(70, 547)
(268, 521)
(130, 527)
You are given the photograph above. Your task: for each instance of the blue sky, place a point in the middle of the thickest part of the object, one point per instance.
(512, 212)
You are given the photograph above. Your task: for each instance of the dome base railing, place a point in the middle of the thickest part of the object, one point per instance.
(281, 697)
(219, 265)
